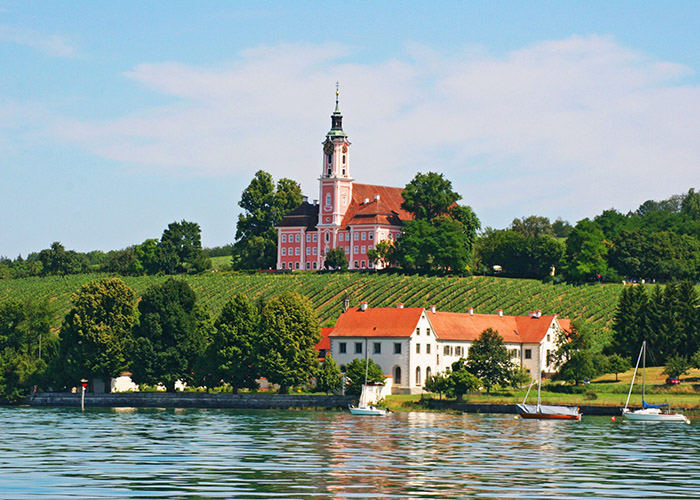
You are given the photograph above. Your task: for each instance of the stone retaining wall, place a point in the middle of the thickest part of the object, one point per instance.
(510, 408)
(191, 400)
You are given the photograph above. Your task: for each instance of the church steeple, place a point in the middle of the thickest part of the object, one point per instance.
(336, 118)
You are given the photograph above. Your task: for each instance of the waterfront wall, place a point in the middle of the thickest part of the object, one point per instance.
(191, 400)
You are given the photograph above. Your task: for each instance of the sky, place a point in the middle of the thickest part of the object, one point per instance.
(118, 118)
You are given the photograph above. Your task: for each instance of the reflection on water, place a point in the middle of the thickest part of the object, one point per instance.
(159, 453)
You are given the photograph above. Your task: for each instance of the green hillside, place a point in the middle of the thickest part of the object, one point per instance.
(595, 303)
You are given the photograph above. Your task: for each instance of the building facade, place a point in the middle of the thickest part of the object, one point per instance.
(410, 344)
(347, 215)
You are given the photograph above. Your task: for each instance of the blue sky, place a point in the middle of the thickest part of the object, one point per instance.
(119, 118)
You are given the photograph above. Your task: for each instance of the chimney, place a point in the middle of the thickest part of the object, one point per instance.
(305, 199)
(432, 309)
(376, 197)
(366, 201)
(399, 305)
(500, 312)
(471, 311)
(315, 202)
(363, 306)
(538, 313)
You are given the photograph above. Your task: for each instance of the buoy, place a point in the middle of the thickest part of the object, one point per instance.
(516, 417)
(612, 418)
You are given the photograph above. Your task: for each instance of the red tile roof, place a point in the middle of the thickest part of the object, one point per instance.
(513, 329)
(386, 211)
(377, 322)
(325, 342)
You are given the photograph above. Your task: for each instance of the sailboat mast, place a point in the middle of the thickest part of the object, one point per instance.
(539, 378)
(644, 365)
(635, 374)
(366, 361)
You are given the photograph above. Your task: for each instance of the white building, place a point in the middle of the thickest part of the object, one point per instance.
(410, 344)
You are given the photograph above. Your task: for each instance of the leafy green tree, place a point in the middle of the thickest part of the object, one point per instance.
(520, 377)
(56, 260)
(355, 373)
(328, 377)
(96, 333)
(438, 383)
(695, 360)
(617, 364)
(532, 226)
(586, 252)
(381, 254)
(561, 228)
(289, 332)
(263, 206)
(180, 249)
(676, 366)
(428, 196)
(580, 366)
(336, 259)
(461, 380)
(488, 360)
(690, 205)
(230, 357)
(171, 335)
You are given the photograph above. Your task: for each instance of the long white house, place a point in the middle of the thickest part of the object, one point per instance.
(410, 344)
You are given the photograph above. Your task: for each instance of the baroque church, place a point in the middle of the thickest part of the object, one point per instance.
(347, 215)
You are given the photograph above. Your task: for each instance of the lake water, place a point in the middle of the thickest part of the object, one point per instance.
(130, 453)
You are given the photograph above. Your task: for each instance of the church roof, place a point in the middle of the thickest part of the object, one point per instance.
(305, 215)
(386, 210)
(377, 322)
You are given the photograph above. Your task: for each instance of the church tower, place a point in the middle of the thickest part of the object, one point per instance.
(335, 190)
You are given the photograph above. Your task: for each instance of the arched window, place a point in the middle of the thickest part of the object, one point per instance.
(428, 373)
(397, 375)
(418, 382)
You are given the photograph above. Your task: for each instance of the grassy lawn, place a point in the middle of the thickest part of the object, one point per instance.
(602, 391)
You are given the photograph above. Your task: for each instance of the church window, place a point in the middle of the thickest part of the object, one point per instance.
(344, 198)
(282, 265)
(328, 198)
(418, 382)
(364, 264)
(297, 266)
(356, 249)
(298, 239)
(308, 250)
(357, 265)
(329, 171)
(357, 236)
(308, 265)
(343, 159)
(363, 249)
(284, 238)
(315, 237)
(371, 236)
(344, 174)
(347, 250)
(427, 348)
(308, 238)
(328, 237)
(284, 251)
(296, 251)
(388, 237)
(314, 262)
(364, 236)
(315, 251)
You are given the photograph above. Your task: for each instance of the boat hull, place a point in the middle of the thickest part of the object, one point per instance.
(368, 411)
(544, 416)
(655, 416)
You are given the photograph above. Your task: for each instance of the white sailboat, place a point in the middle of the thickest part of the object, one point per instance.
(648, 412)
(365, 406)
(540, 411)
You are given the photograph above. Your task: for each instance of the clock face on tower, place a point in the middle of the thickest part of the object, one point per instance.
(328, 148)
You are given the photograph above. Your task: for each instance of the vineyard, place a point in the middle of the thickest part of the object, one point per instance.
(594, 303)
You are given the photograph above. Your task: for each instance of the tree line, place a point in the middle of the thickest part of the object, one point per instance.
(178, 251)
(165, 338)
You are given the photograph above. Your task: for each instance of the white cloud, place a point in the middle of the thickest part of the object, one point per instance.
(565, 127)
(53, 45)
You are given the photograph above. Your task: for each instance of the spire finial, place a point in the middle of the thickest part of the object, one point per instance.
(337, 93)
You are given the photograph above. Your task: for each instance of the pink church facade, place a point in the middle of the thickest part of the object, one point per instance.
(347, 215)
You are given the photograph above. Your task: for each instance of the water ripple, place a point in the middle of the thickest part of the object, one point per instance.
(198, 454)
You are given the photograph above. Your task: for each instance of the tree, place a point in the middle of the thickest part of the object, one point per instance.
(586, 252)
(96, 333)
(438, 383)
(180, 248)
(231, 355)
(336, 259)
(56, 260)
(328, 377)
(488, 360)
(578, 368)
(171, 335)
(263, 208)
(355, 372)
(461, 381)
(676, 366)
(617, 364)
(289, 332)
(532, 226)
(428, 196)
(381, 254)
(561, 228)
